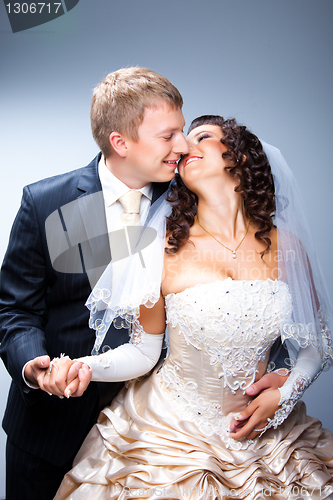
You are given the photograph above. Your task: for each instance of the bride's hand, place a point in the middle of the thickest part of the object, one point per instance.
(78, 379)
(253, 418)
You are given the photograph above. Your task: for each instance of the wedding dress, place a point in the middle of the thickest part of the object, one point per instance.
(167, 435)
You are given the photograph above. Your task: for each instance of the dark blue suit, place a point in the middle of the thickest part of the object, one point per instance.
(43, 312)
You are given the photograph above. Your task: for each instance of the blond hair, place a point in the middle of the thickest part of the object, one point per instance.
(120, 100)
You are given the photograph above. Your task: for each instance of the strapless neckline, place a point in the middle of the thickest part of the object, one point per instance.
(222, 283)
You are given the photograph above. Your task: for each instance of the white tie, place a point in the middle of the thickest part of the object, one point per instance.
(130, 202)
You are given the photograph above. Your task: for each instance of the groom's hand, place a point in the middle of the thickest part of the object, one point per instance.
(36, 368)
(268, 382)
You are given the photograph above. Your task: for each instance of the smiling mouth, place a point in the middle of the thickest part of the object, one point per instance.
(192, 158)
(172, 163)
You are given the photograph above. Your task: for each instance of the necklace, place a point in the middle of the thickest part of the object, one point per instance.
(230, 249)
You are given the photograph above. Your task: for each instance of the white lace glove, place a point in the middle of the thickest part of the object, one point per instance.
(126, 361)
(307, 368)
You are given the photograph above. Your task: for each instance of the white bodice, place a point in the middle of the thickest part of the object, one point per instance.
(220, 335)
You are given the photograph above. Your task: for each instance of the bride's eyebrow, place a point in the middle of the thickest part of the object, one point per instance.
(204, 132)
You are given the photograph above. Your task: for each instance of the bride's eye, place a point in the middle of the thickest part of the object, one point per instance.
(202, 136)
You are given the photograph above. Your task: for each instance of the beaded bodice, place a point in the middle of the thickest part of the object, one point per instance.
(220, 335)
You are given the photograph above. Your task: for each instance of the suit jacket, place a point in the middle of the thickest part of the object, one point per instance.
(46, 278)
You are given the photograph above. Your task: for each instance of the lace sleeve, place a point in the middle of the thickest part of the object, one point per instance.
(291, 392)
(307, 368)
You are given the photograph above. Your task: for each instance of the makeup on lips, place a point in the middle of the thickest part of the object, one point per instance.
(190, 159)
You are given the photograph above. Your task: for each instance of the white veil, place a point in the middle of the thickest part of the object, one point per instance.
(132, 281)
(299, 267)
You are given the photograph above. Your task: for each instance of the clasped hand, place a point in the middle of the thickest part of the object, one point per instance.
(61, 377)
(254, 418)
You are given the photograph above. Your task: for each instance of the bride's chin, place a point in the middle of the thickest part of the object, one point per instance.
(190, 182)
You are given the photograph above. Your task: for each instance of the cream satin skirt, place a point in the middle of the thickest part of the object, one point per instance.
(140, 448)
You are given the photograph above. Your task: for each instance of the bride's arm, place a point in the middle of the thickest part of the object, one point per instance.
(271, 408)
(138, 356)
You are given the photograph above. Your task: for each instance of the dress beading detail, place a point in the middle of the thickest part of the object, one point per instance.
(236, 324)
(190, 406)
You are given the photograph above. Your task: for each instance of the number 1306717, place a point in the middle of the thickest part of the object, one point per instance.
(33, 8)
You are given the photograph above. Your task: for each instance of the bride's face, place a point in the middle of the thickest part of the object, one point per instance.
(204, 159)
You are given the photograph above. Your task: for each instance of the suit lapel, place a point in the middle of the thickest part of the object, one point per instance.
(95, 244)
(159, 188)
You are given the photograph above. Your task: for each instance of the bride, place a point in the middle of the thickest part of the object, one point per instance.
(236, 276)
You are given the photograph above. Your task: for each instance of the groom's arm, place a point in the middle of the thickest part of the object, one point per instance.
(23, 287)
(278, 355)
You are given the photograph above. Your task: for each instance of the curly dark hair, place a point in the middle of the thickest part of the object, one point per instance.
(256, 184)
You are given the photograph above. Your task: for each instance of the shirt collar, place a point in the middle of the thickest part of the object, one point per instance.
(113, 187)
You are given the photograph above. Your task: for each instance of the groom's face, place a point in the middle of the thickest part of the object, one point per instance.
(154, 156)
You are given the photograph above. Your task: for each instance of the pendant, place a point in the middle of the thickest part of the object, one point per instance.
(234, 254)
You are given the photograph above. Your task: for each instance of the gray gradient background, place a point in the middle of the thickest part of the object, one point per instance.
(266, 62)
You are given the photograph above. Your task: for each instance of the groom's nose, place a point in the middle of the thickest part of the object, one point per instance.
(180, 145)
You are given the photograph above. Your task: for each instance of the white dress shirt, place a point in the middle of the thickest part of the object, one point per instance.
(113, 188)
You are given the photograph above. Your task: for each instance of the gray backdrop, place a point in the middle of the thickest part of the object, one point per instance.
(265, 62)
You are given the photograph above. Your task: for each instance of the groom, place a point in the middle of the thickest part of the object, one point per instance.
(48, 272)
(57, 250)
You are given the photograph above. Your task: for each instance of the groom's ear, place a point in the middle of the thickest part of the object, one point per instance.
(118, 143)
